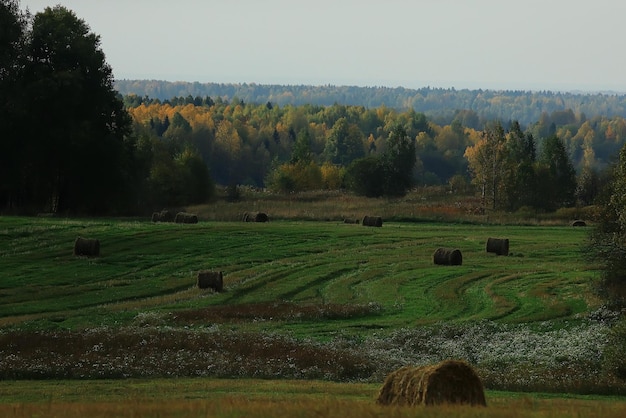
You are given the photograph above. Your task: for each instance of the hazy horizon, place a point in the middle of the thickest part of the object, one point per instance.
(476, 44)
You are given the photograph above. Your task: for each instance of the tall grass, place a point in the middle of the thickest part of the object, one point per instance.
(422, 204)
(262, 398)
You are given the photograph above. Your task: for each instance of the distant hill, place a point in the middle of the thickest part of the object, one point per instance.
(439, 104)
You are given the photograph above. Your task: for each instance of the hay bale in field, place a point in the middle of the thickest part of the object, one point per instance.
(499, 246)
(351, 221)
(208, 279)
(87, 247)
(579, 222)
(163, 216)
(261, 217)
(448, 257)
(448, 382)
(255, 217)
(375, 221)
(186, 218)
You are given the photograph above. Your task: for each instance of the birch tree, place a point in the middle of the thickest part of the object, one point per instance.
(486, 161)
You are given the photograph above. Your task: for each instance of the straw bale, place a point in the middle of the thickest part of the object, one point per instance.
(163, 216)
(448, 382)
(255, 217)
(579, 222)
(261, 217)
(375, 221)
(186, 218)
(86, 247)
(499, 246)
(208, 279)
(448, 257)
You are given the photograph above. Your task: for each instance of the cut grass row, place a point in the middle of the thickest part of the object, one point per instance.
(145, 266)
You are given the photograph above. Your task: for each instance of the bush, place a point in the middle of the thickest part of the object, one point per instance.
(614, 362)
(332, 176)
(296, 177)
(365, 177)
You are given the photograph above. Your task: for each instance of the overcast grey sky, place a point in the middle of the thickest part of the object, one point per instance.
(489, 44)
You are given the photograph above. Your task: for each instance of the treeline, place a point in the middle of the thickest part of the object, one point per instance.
(439, 104)
(244, 143)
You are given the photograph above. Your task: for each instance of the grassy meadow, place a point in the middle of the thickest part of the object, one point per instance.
(319, 310)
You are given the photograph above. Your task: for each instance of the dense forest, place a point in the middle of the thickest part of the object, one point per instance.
(293, 148)
(439, 104)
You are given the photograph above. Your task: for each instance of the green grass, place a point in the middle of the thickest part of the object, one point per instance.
(145, 266)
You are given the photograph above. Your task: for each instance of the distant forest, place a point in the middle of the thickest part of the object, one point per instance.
(440, 105)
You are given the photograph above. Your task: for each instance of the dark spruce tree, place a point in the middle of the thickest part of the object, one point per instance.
(398, 162)
(13, 32)
(78, 148)
(557, 187)
(520, 181)
(390, 174)
(607, 249)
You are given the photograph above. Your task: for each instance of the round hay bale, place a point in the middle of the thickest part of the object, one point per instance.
(163, 216)
(166, 216)
(448, 382)
(448, 257)
(499, 246)
(210, 280)
(261, 217)
(579, 222)
(351, 221)
(186, 218)
(86, 247)
(375, 221)
(255, 217)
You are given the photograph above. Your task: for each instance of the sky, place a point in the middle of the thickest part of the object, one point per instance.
(557, 45)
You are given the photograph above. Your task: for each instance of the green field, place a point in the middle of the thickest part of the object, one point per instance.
(152, 267)
(310, 301)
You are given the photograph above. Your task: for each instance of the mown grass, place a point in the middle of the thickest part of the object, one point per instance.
(145, 266)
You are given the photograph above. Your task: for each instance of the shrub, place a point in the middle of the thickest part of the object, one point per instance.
(614, 362)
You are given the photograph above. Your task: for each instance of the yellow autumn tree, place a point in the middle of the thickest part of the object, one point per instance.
(296, 177)
(486, 160)
(332, 176)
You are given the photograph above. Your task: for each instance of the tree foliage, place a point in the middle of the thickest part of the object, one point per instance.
(557, 187)
(487, 159)
(72, 154)
(519, 174)
(607, 249)
(608, 239)
(365, 177)
(13, 25)
(389, 174)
